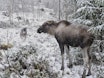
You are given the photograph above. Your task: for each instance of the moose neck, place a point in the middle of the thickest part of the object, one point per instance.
(52, 30)
(57, 27)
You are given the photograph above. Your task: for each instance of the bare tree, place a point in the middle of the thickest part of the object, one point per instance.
(10, 10)
(68, 7)
(75, 5)
(59, 17)
(23, 5)
(32, 8)
(101, 43)
(65, 9)
(39, 11)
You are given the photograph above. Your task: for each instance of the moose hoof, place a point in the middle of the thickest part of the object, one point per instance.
(70, 66)
(62, 68)
(89, 73)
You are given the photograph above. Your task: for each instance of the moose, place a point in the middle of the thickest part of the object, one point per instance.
(68, 34)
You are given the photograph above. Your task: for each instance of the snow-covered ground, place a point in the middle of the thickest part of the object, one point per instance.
(46, 50)
(46, 46)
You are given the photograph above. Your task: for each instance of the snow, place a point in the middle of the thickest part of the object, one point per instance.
(83, 2)
(84, 22)
(96, 30)
(46, 48)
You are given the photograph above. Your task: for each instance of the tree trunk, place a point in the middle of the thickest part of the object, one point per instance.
(101, 38)
(75, 3)
(59, 17)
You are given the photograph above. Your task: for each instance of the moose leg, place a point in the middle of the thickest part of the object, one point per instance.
(90, 59)
(86, 60)
(89, 69)
(62, 55)
(69, 56)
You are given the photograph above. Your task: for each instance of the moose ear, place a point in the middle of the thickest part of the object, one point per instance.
(50, 22)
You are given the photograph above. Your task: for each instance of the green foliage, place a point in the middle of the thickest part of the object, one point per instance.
(89, 13)
(97, 30)
(99, 3)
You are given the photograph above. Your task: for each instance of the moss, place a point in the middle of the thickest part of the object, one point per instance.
(5, 46)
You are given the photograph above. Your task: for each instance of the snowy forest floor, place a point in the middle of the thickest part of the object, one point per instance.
(36, 49)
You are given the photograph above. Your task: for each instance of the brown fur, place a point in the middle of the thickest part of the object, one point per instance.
(66, 23)
(74, 36)
(68, 34)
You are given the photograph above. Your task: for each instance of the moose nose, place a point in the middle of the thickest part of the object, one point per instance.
(39, 31)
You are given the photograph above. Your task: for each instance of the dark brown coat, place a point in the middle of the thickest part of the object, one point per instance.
(69, 34)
